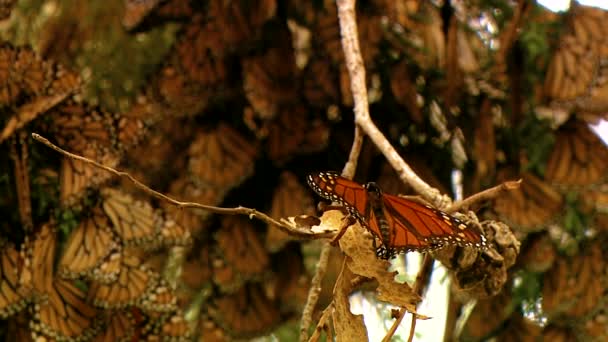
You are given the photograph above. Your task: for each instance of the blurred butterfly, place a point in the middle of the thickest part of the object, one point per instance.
(290, 198)
(169, 327)
(532, 206)
(95, 134)
(197, 269)
(14, 295)
(240, 253)
(579, 157)
(6, 7)
(120, 326)
(137, 223)
(400, 224)
(268, 79)
(222, 149)
(576, 76)
(23, 74)
(136, 286)
(138, 11)
(32, 86)
(295, 132)
(246, 313)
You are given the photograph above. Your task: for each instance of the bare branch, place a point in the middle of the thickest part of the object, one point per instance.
(313, 292)
(356, 69)
(353, 158)
(485, 195)
(252, 213)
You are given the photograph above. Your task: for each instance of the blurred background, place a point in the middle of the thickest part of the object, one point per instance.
(234, 103)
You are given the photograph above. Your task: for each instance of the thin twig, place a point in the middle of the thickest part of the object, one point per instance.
(322, 325)
(313, 292)
(252, 213)
(353, 158)
(509, 35)
(421, 280)
(485, 195)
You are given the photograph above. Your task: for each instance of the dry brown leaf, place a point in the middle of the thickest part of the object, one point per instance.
(363, 261)
(348, 327)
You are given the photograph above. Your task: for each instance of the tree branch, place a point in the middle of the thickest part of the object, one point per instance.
(252, 213)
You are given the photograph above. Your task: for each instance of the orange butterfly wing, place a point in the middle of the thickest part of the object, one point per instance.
(432, 226)
(348, 193)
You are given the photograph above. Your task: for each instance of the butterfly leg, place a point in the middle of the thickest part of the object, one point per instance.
(346, 222)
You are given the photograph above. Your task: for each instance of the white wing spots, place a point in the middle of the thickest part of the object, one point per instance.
(462, 226)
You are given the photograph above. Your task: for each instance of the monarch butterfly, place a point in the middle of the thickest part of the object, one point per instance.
(199, 56)
(176, 94)
(23, 74)
(61, 311)
(483, 320)
(400, 224)
(14, 296)
(267, 79)
(136, 223)
(77, 176)
(290, 198)
(95, 134)
(559, 286)
(121, 326)
(29, 112)
(245, 313)
(136, 285)
(579, 156)
(225, 149)
(89, 246)
(320, 83)
(290, 285)
(168, 327)
(76, 125)
(196, 270)
(241, 253)
(531, 206)
(294, 132)
(65, 314)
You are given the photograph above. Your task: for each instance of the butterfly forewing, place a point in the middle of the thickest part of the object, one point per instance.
(331, 186)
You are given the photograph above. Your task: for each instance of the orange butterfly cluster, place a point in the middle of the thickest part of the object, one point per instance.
(63, 310)
(31, 86)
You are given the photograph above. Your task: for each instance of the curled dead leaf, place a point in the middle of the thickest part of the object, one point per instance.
(349, 327)
(362, 260)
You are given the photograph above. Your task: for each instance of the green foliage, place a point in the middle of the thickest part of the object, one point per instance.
(535, 137)
(67, 219)
(527, 291)
(575, 222)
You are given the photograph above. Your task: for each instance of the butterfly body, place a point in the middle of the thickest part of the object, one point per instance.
(400, 224)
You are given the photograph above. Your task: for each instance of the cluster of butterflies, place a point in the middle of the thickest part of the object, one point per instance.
(400, 224)
(99, 286)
